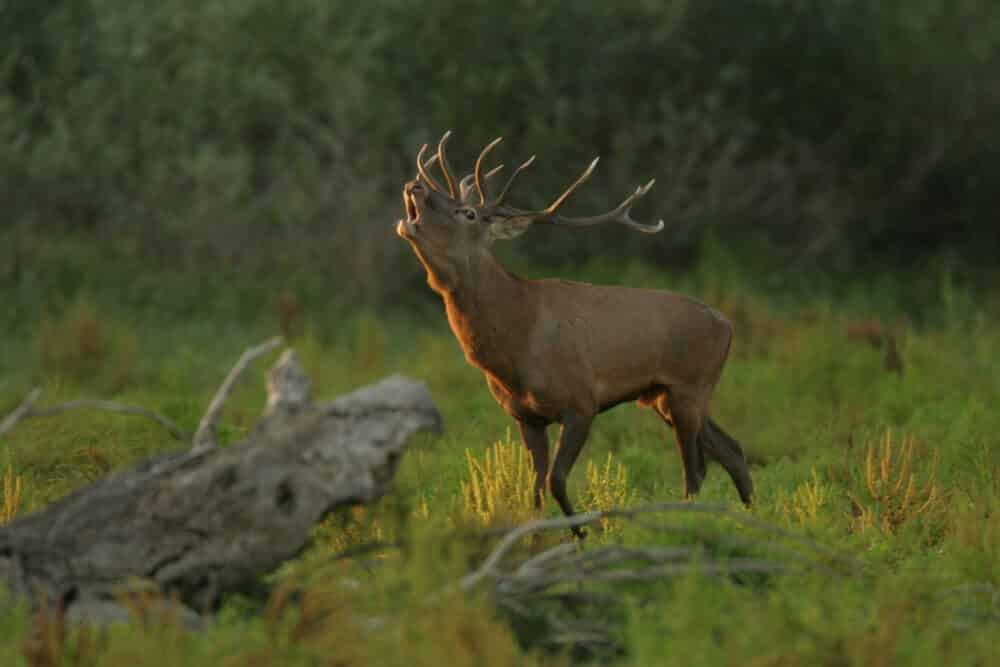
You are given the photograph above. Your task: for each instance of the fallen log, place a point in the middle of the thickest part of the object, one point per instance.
(197, 524)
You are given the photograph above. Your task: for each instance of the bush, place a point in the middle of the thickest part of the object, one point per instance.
(263, 136)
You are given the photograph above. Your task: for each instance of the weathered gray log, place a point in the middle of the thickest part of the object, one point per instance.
(199, 523)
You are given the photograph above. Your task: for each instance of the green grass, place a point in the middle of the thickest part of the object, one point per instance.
(812, 406)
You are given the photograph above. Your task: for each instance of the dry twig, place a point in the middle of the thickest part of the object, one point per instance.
(204, 437)
(20, 412)
(110, 406)
(27, 410)
(511, 539)
(576, 577)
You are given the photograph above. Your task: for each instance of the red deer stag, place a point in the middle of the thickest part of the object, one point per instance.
(562, 351)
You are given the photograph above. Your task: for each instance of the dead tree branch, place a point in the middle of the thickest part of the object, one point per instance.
(571, 586)
(28, 410)
(109, 406)
(490, 566)
(19, 413)
(204, 437)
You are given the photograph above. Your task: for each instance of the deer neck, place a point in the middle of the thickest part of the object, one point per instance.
(489, 310)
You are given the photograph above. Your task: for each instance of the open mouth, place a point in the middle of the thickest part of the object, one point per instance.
(412, 213)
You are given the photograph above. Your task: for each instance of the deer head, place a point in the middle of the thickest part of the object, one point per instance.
(447, 223)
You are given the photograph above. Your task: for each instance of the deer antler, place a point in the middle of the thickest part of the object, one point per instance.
(510, 181)
(619, 214)
(480, 179)
(480, 184)
(445, 167)
(442, 159)
(547, 216)
(465, 185)
(423, 166)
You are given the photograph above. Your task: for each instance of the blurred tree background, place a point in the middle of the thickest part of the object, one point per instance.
(262, 137)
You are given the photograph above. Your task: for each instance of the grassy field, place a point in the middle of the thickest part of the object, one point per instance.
(901, 470)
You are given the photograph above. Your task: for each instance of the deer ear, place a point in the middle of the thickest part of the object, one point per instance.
(508, 228)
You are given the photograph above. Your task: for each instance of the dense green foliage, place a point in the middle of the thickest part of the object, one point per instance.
(805, 391)
(259, 134)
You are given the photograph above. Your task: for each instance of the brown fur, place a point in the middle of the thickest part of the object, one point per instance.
(556, 351)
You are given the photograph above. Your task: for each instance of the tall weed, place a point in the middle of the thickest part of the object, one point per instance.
(893, 492)
(81, 345)
(500, 487)
(12, 486)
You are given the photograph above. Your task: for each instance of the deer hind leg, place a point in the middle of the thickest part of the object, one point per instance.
(685, 414)
(725, 449)
(576, 428)
(536, 441)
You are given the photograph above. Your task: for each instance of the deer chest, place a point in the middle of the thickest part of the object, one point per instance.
(522, 405)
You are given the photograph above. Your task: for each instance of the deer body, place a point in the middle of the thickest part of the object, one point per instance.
(557, 351)
(586, 346)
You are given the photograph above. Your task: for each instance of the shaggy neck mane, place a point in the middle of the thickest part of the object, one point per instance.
(489, 310)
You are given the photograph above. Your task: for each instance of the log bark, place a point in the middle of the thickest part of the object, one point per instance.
(200, 523)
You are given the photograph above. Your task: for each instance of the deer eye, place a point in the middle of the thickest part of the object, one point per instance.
(469, 213)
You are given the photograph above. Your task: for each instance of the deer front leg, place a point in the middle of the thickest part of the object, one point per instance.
(537, 443)
(576, 428)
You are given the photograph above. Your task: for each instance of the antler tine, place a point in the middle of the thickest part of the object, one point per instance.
(554, 206)
(619, 215)
(445, 167)
(510, 181)
(422, 169)
(480, 186)
(465, 185)
(493, 172)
